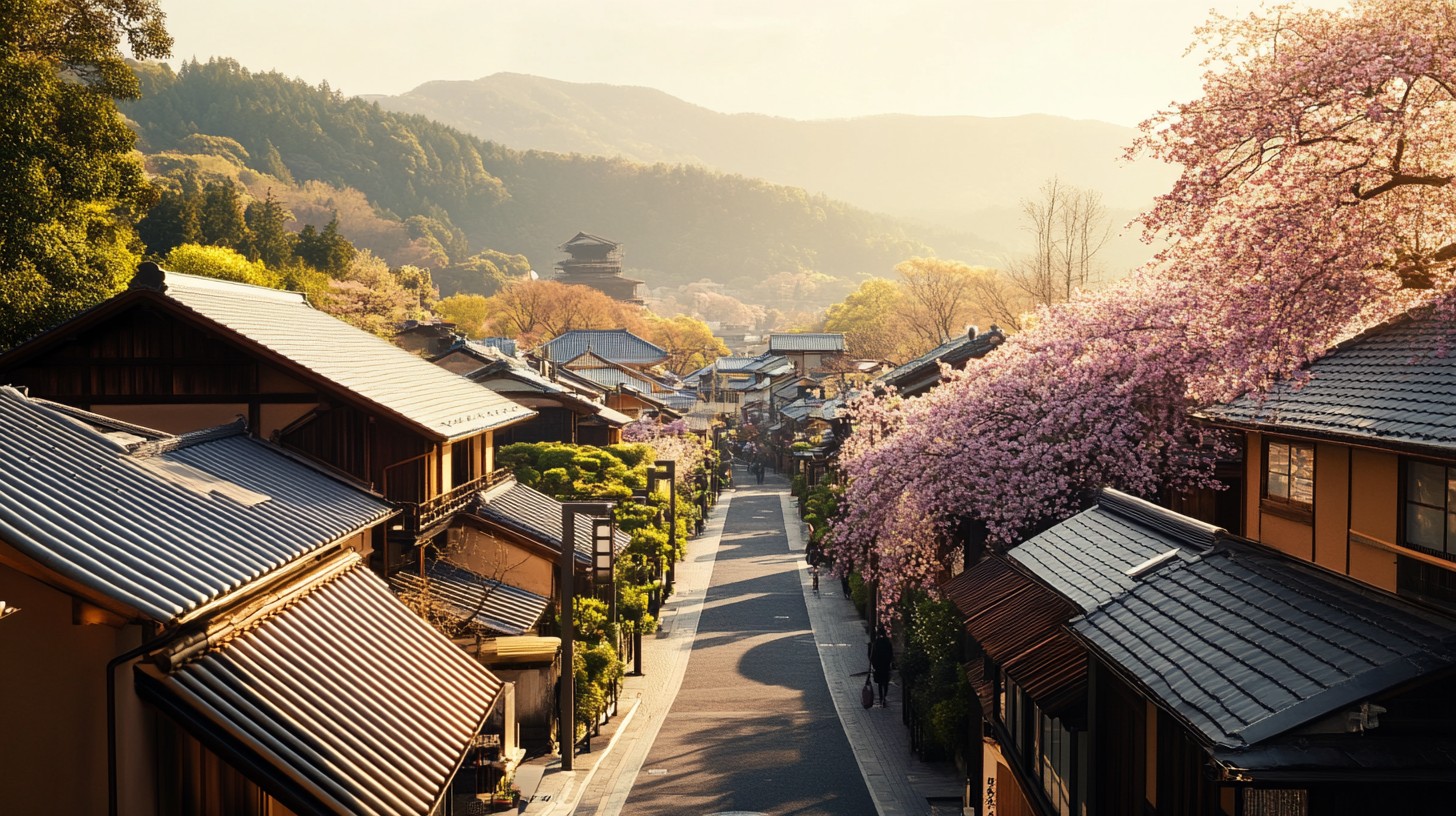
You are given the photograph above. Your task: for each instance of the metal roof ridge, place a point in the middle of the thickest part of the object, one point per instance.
(156, 447)
(151, 276)
(1184, 529)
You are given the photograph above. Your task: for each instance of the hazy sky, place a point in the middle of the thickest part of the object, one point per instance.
(1115, 60)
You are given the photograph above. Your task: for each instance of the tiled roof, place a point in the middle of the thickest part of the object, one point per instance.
(490, 603)
(502, 344)
(1246, 645)
(1241, 643)
(1019, 624)
(166, 533)
(613, 377)
(617, 345)
(539, 516)
(726, 365)
(1387, 385)
(1087, 557)
(767, 363)
(925, 369)
(436, 402)
(831, 341)
(317, 698)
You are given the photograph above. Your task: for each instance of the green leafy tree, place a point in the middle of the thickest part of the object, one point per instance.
(220, 218)
(326, 251)
(170, 223)
(70, 188)
(483, 273)
(224, 263)
(471, 314)
(271, 242)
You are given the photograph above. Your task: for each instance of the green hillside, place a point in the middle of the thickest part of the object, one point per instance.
(678, 223)
(966, 173)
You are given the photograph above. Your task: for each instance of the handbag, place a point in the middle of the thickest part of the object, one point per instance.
(867, 694)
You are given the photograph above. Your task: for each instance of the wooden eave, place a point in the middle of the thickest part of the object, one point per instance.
(88, 319)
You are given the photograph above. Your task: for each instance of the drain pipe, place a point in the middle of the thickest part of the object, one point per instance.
(111, 668)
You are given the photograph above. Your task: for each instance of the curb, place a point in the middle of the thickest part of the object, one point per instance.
(571, 795)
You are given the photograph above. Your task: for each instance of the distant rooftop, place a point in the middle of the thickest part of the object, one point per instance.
(617, 345)
(779, 343)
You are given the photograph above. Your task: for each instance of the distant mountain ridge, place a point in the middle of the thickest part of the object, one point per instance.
(965, 173)
(774, 245)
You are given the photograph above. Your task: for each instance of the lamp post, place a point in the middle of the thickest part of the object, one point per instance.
(671, 467)
(566, 700)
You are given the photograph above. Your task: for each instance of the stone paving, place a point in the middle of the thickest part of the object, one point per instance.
(604, 781)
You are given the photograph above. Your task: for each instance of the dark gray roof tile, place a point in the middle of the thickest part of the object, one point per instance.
(1388, 384)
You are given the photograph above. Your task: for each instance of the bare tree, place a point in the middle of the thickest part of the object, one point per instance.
(1002, 300)
(1069, 227)
(939, 298)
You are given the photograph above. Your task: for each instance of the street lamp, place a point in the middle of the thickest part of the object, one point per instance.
(671, 467)
(566, 727)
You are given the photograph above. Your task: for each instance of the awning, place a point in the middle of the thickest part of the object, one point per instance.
(517, 650)
(1019, 624)
(490, 603)
(343, 703)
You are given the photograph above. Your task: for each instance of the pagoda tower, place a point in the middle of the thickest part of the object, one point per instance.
(597, 262)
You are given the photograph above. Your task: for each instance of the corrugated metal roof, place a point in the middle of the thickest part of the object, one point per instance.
(488, 602)
(346, 701)
(1019, 624)
(1387, 385)
(1246, 645)
(824, 341)
(80, 504)
(1087, 557)
(436, 402)
(617, 345)
(539, 516)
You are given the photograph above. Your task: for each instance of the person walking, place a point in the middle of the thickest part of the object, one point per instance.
(882, 660)
(760, 473)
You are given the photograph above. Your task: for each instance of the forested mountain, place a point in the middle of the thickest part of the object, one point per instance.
(961, 172)
(679, 223)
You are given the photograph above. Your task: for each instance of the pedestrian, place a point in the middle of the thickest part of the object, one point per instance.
(760, 473)
(882, 660)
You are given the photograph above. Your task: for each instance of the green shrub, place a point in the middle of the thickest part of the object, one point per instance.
(858, 592)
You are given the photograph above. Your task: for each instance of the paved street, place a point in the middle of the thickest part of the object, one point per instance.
(753, 727)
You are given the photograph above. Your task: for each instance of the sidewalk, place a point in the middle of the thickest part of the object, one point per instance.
(602, 779)
(900, 784)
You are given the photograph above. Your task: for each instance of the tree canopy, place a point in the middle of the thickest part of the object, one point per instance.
(70, 188)
(1315, 200)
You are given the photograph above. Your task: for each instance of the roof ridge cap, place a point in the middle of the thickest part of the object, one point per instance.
(1185, 529)
(156, 447)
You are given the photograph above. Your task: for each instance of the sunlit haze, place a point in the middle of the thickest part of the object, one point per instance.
(1113, 60)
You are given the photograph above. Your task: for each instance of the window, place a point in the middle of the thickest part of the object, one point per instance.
(1430, 507)
(1289, 474)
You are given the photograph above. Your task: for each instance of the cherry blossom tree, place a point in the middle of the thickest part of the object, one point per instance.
(1315, 201)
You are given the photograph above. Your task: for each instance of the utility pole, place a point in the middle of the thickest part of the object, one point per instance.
(566, 698)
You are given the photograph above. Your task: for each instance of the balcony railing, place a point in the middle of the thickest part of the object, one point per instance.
(420, 517)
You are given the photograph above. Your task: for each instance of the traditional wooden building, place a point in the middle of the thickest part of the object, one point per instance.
(808, 352)
(179, 352)
(1349, 469)
(615, 345)
(924, 372)
(1134, 660)
(597, 262)
(198, 633)
(568, 408)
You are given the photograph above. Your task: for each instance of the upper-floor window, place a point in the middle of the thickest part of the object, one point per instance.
(1430, 506)
(1289, 474)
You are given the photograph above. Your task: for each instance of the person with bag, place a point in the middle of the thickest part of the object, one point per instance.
(882, 661)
